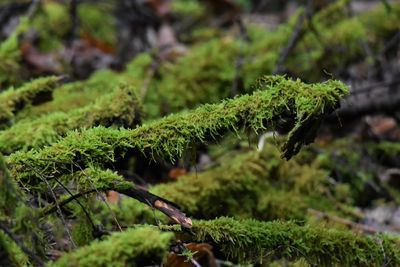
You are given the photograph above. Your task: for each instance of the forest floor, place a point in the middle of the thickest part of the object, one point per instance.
(199, 133)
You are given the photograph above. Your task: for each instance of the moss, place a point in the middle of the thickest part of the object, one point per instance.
(230, 189)
(188, 8)
(169, 137)
(14, 100)
(356, 165)
(98, 22)
(102, 180)
(10, 56)
(251, 239)
(185, 85)
(9, 196)
(18, 218)
(78, 94)
(53, 23)
(119, 108)
(10, 254)
(347, 36)
(250, 185)
(134, 247)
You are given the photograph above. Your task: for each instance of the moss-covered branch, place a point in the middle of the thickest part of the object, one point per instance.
(254, 240)
(31, 93)
(169, 137)
(119, 108)
(93, 180)
(135, 247)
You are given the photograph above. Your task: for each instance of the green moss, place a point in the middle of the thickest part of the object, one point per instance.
(119, 108)
(98, 22)
(255, 240)
(169, 137)
(230, 189)
(192, 8)
(11, 255)
(82, 93)
(18, 218)
(10, 56)
(9, 196)
(185, 85)
(53, 23)
(134, 247)
(355, 164)
(14, 100)
(102, 180)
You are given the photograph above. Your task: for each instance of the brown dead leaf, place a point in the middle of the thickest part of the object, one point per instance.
(112, 197)
(382, 127)
(176, 172)
(42, 62)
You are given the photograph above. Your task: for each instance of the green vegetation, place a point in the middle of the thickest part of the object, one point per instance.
(109, 170)
(13, 100)
(119, 108)
(253, 240)
(10, 56)
(169, 137)
(134, 247)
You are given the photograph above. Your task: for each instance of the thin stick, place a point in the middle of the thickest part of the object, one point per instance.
(55, 201)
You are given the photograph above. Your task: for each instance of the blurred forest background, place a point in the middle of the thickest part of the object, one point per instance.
(200, 133)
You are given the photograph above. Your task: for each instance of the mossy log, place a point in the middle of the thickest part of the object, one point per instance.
(242, 240)
(35, 92)
(143, 246)
(255, 241)
(119, 108)
(169, 137)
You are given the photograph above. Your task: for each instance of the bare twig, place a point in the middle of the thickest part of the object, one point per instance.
(73, 7)
(294, 38)
(244, 37)
(55, 201)
(297, 34)
(168, 208)
(149, 76)
(32, 8)
(100, 196)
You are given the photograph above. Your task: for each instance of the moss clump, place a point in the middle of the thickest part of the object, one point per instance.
(9, 196)
(119, 108)
(135, 247)
(18, 219)
(257, 184)
(31, 93)
(169, 137)
(99, 23)
(230, 189)
(10, 55)
(53, 23)
(255, 240)
(82, 93)
(183, 84)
